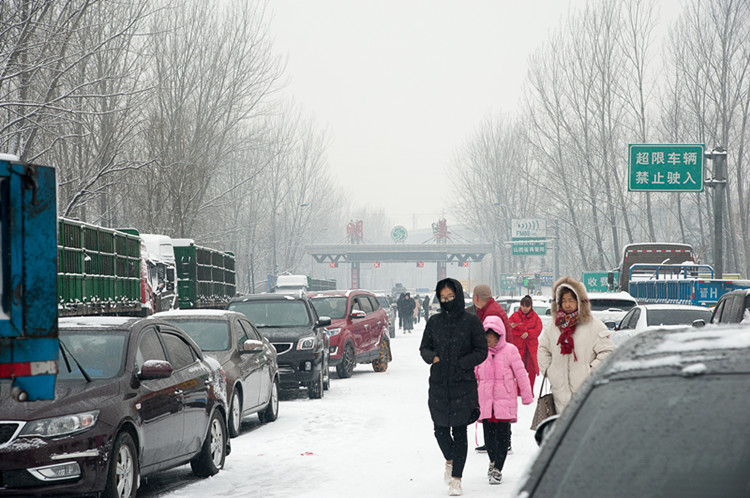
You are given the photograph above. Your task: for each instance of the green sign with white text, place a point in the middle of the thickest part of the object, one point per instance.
(665, 167)
(529, 248)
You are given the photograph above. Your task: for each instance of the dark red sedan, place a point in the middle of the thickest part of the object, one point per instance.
(133, 396)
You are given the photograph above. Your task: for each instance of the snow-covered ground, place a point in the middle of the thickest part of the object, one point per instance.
(371, 435)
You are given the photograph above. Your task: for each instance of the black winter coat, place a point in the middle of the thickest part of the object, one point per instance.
(459, 340)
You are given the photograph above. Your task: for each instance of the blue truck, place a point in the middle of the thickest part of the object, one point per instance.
(679, 284)
(28, 272)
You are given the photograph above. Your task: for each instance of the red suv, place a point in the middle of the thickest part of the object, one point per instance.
(358, 332)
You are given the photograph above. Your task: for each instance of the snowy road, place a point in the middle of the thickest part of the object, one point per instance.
(371, 435)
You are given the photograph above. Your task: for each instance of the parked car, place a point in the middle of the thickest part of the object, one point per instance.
(248, 359)
(733, 307)
(390, 309)
(358, 332)
(133, 396)
(297, 333)
(664, 415)
(640, 317)
(611, 307)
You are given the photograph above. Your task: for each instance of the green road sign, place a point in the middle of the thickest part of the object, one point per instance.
(529, 249)
(665, 167)
(596, 281)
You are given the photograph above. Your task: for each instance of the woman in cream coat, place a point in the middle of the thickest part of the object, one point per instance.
(573, 344)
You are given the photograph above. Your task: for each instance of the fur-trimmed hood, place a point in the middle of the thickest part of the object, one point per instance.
(584, 306)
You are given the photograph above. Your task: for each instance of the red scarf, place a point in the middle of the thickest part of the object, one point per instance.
(566, 322)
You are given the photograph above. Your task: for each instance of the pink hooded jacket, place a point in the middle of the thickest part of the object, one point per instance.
(500, 376)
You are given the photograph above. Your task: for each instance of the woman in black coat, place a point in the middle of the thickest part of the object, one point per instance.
(453, 344)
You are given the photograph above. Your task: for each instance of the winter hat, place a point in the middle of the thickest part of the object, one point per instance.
(483, 292)
(495, 324)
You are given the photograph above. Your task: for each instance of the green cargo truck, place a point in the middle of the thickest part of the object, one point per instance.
(98, 270)
(205, 277)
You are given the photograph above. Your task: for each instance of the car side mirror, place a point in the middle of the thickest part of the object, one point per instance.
(357, 314)
(251, 346)
(155, 369)
(611, 324)
(543, 430)
(699, 323)
(324, 321)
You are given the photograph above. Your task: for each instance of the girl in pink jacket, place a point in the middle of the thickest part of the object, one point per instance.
(499, 378)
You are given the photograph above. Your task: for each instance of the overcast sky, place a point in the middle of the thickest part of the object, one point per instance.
(400, 85)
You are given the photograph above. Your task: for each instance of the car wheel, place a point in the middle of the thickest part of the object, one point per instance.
(381, 364)
(211, 458)
(315, 389)
(346, 367)
(235, 414)
(122, 475)
(271, 411)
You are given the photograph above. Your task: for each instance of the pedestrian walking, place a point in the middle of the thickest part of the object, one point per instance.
(417, 308)
(500, 377)
(426, 306)
(408, 305)
(487, 306)
(400, 310)
(574, 344)
(526, 327)
(484, 306)
(453, 343)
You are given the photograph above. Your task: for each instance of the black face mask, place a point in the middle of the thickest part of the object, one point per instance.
(446, 305)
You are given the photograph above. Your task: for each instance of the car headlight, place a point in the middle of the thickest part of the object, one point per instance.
(306, 342)
(61, 426)
(332, 332)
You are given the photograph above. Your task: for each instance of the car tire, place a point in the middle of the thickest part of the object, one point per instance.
(315, 389)
(235, 414)
(346, 367)
(211, 458)
(381, 364)
(271, 412)
(122, 474)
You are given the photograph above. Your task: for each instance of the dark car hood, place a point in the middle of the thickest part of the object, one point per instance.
(285, 334)
(71, 396)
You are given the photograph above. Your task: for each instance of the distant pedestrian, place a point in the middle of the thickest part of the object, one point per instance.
(400, 310)
(499, 378)
(574, 344)
(409, 306)
(526, 327)
(453, 343)
(426, 307)
(417, 308)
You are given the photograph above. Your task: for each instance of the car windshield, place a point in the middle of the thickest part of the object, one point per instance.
(262, 313)
(209, 335)
(332, 307)
(674, 452)
(677, 317)
(603, 304)
(100, 353)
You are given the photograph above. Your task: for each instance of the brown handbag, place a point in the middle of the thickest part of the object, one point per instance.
(545, 406)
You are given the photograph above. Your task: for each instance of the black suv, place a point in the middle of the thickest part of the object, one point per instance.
(732, 307)
(291, 324)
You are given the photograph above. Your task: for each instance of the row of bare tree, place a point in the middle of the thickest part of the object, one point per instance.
(600, 82)
(164, 116)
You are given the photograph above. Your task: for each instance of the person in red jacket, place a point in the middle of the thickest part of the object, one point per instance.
(526, 326)
(487, 306)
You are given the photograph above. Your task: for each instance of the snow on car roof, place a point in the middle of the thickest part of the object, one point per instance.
(660, 347)
(191, 313)
(95, 321)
